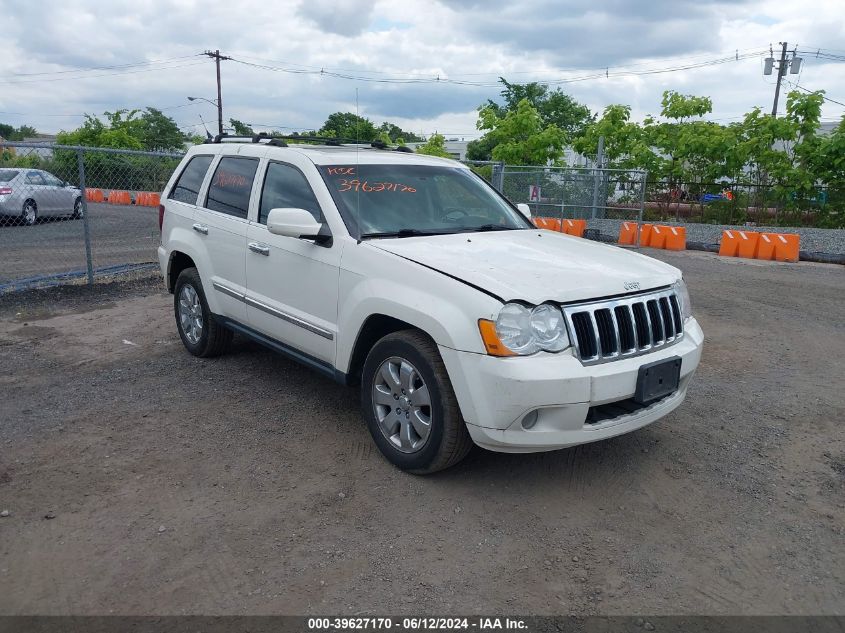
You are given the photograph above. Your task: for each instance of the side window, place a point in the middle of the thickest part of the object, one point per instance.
(34, 178)
(51, 180)
(187, 188)
(231, 186)
(285, 186)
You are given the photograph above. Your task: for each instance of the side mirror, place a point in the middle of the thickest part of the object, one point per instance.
(526, 210)
(297, 223)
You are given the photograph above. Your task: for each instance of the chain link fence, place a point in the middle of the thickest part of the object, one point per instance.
(738, 203)
(76, 214)
(604, 198)
(73, 214)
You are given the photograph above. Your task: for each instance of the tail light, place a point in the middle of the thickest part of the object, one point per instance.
(5, 191)
(160, 217)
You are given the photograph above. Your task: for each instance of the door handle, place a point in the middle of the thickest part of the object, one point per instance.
(261, 249)
(201, 228)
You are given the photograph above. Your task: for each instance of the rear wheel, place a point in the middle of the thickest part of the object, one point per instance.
(409, 405)
(77, 209)
(200, 332)
(29, 215)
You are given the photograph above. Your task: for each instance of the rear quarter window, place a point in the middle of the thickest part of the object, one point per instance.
(187, 188)
(6, 175)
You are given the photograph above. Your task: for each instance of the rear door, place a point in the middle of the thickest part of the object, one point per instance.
(62, 198)
(292, 284)
(35, 187)
(222, 222)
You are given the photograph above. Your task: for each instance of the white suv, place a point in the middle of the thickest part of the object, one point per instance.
(412, 277)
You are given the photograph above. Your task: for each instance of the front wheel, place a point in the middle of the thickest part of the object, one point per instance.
(409, 405)
(200, 332)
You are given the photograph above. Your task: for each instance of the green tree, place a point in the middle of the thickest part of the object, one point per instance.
(481, 148)
(127, 129)
(554, 107)
(397, 134)
(521, 137)
(434, 146)
(11, 133)
(350, 126)
(241, 129)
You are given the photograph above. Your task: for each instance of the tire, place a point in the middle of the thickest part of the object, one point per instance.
(210, 338)
(29, 213)
(77, 209)
(411, 360)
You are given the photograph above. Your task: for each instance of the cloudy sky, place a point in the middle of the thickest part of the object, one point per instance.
(423, 64)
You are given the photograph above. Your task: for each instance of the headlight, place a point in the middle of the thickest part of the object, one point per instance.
(682, 293)
(521, 330)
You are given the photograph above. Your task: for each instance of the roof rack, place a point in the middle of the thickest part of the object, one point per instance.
(279, 141)
(253, 138)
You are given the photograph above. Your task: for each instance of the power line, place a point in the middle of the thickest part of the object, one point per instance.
(792, 83)
(128, 72)
(111, 67)
(398, 79)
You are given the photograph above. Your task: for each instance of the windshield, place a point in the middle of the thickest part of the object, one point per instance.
(6, 175)
(407, 200)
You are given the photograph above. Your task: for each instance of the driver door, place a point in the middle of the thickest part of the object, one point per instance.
(292, 284)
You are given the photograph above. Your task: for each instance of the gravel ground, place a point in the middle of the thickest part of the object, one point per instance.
(141, 480)
(830, 241)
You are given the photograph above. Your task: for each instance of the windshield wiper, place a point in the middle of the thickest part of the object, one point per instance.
(487, 227)
(404, 233)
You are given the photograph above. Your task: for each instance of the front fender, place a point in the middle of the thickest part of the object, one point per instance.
(442, 307)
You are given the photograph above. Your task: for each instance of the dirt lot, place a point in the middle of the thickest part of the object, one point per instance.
(248, 484)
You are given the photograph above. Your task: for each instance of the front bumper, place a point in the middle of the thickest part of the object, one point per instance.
(496, 393)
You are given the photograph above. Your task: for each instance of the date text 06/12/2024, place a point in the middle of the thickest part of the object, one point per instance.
(415, 624)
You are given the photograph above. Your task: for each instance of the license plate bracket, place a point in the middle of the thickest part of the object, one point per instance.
(658, 379)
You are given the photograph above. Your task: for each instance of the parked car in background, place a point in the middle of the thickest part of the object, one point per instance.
(29, 194)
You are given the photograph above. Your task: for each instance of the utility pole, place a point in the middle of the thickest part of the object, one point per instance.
(781, 73)
(217, 57)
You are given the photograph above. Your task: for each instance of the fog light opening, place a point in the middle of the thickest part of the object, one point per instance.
(530, 419)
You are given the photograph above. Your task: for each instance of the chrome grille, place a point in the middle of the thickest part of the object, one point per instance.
(603, 331)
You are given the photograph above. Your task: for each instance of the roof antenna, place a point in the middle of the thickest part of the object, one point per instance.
(207, 133)
(357, 165)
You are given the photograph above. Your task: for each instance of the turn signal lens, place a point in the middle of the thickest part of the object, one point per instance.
(491, 339)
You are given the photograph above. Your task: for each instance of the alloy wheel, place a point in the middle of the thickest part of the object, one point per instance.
(402, 404)
(190, 314)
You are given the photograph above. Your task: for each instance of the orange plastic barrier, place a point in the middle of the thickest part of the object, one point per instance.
(575, 227)
(628, 233)
(141, 199)
(570, 227)
(154, 199)
(738, 243)
(94, 195)
(671, 238)
(550, 224)
(781, 247)
(119, 197)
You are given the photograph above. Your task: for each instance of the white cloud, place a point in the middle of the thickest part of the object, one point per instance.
(382, 39)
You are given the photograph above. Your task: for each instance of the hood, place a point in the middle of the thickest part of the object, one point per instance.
(534, 266)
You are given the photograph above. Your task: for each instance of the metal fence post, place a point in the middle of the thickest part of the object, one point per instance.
(597, 174)
(86, 227)
(499, 176)
(642, 205)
